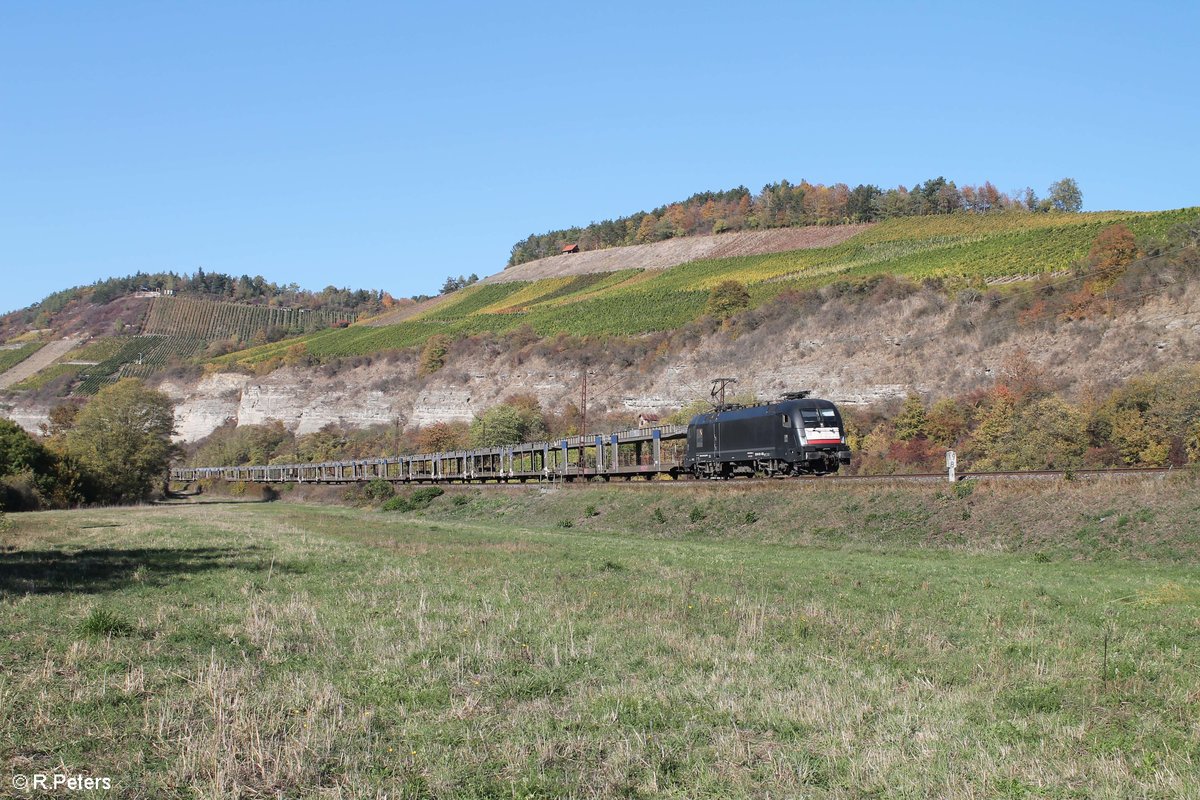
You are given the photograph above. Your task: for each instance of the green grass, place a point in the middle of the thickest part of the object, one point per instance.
(472, 299)
(962, 248)
(478, 649)
(10, 358)
(561, 290)
(45, 376)
(98, 349)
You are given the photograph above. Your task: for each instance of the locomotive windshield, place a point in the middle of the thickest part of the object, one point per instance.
(819, 417)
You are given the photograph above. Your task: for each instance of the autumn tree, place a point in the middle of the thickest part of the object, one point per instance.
(246, 444)
(645, 230)
(1021, 377)
(727, 298)
(123, 439)
(60, 419)
(433, 354)
(1149, 419)
(514, 421)
(995, 432)
(1114, 249)
(1192, 443)
(875, 446)
(910, 422)
(441, 437)
(1053, 435)
(326, 444)
(947, 420)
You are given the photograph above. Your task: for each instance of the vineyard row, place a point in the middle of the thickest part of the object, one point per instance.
(213, 320)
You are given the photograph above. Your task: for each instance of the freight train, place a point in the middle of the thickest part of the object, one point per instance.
(795, 435)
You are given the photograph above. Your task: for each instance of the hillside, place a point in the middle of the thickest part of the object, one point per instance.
(791, 205)
(673, 252)
(934, 305)
(961, 250)
(140, 335)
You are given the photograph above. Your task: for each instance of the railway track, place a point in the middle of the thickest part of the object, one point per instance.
(661, 480)
(641, 457)
(921, 477)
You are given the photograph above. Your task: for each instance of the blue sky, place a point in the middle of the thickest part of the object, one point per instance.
(389, 145)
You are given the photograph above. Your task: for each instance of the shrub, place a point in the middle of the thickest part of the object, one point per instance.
(1113, 249)
(425, 495)
(726, 298)
(658, 516)
(399, 504)
(566, 523)
(433, 354)
(20, 493)
(697, 514)
(421, 498)
(102, 622)
(379, 490)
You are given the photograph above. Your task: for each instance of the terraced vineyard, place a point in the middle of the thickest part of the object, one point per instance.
(176, 330)
(963, 249)
(138, 356)
(212, 320)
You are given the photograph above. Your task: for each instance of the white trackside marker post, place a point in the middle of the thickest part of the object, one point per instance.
(951, 464)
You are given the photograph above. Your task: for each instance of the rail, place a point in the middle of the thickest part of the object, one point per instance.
(641, 452)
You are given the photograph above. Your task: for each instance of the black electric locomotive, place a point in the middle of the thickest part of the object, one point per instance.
(796, 435)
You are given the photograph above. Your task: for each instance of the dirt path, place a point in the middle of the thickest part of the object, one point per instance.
(39, 360)
(397, 315)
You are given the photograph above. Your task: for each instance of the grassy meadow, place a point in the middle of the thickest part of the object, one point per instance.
(600, 642)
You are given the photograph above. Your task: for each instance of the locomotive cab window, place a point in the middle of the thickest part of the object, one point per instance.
(811, 417)
(787, 421)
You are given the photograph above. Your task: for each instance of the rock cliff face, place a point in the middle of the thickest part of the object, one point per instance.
(850, 353)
